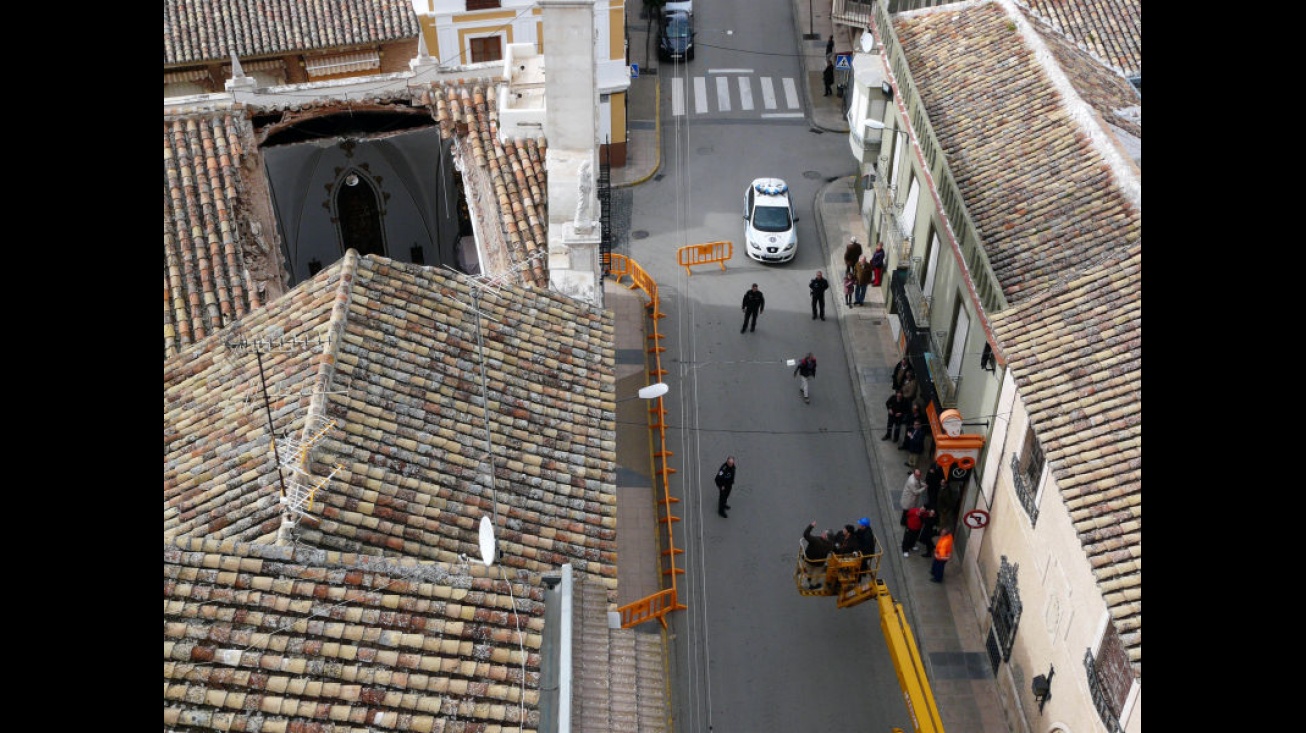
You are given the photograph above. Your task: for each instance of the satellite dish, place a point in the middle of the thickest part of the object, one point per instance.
(487, 541)
(653, 391)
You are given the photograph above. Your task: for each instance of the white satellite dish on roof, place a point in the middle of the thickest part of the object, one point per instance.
(487, 541)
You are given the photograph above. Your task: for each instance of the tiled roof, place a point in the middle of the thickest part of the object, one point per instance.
(222, 255)
(214, 268)
(1044, 200)
(1099, 86)
(400, 377)
(264, 637)
(1112, 30)
(198, 31)
(1076, 354)
(1062, 227)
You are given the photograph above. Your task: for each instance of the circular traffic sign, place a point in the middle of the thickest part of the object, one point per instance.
(976, 518)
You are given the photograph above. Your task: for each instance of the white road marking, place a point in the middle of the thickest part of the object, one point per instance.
(700, 95)
(791, 92)
(677, 96)
(768, 93)
(745, 94)
(722, 94)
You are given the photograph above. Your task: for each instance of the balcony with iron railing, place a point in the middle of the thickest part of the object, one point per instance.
(1024, 488)
(892, 214)
(858, 14)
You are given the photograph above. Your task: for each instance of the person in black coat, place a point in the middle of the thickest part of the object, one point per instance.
(911, 418)
(754, 303)
(928, 523)
(725, 481)
(817, 286)
(819, 546)
(828, 77)
(934, 479)
(900, 371)
(896, 407)
(915, 444)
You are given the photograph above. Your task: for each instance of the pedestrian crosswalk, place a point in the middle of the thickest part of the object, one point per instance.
(733, 90)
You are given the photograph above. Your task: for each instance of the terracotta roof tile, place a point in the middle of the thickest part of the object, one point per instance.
(196, 31)
(405, 394)
(1044, 201)
(389, 643)
(1112, 30)
(221, 260)
(1064, 235)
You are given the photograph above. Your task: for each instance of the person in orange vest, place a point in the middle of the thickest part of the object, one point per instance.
(942, 551)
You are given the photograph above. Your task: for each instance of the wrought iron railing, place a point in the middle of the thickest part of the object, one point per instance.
(1005, 607)
(1101, 697)
(1024, 489)
(604, 190)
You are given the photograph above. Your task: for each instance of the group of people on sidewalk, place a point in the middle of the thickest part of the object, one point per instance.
(861, 273)
(920, 518)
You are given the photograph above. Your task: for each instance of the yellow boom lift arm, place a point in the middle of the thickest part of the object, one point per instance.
(852, 579)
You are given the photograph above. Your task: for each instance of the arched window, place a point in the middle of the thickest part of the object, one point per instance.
(358, 213)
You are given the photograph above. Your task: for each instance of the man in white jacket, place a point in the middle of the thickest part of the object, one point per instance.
(911, 494)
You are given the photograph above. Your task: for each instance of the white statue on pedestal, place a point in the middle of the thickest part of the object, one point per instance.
(584, 221)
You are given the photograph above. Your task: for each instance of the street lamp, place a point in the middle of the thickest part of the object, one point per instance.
(653, 391)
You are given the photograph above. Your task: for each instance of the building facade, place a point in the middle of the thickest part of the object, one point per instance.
(1000, 156)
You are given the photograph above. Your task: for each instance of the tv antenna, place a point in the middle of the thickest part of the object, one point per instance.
(276, 342)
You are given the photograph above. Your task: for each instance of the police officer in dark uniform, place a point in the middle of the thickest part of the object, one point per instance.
(725, 481)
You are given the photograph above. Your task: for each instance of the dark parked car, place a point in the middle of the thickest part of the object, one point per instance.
(676, 36)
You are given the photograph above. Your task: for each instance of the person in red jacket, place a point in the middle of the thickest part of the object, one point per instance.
(915, 519)
(942, 552)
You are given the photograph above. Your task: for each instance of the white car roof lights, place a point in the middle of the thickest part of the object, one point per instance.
(770, 186)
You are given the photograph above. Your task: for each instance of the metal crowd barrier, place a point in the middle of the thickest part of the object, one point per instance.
(658, 605)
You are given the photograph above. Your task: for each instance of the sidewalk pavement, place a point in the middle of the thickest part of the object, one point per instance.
(946, 621)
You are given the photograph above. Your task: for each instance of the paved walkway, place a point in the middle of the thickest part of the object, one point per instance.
(948, 626)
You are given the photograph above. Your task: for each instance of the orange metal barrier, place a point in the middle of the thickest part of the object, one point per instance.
(704, 254)
(658, 605)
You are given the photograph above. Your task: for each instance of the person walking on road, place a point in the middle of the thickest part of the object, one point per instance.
(754, 303)
(829, 48)
(725, 481)
(851, 254)
(942, 553)
(817, 286)
(827, 77)
(805, 370)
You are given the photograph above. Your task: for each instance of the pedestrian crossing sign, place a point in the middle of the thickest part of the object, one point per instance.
(843, 61)
(634, 71)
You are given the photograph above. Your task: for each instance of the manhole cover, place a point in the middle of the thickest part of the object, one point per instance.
(812, 175)
(639, 234)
